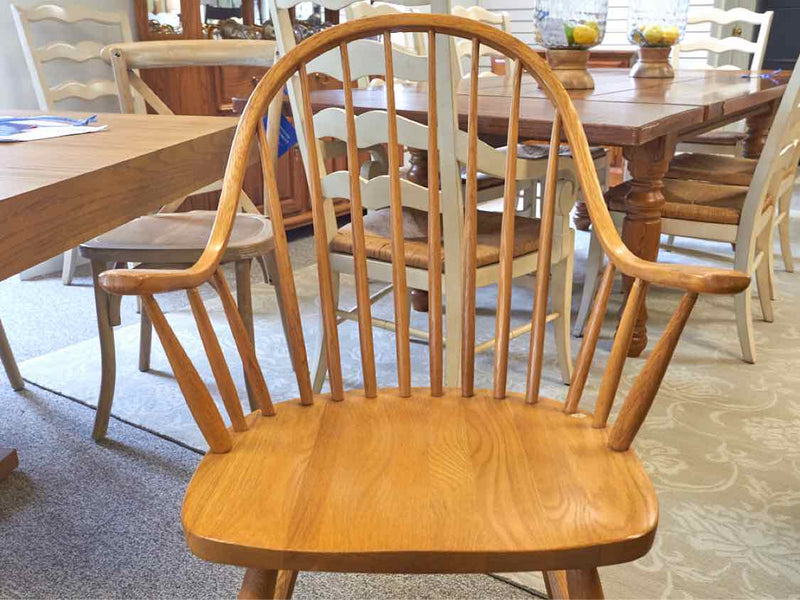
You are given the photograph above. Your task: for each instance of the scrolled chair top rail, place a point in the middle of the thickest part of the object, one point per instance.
(692, 279)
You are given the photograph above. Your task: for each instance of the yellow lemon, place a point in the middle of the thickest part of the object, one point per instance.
(653, 34)
(584, 35)
(670, 35)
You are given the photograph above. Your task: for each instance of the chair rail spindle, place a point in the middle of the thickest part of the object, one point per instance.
(401, 308)
(219, 366)
(503, 318)
(321, 244)
(539, 317)
(641, 396)
(296, 341)
(619, 352)
(197, 396)
(470, 235)
(435, 335)
(589, 345)
(357, 224)
(244, 344)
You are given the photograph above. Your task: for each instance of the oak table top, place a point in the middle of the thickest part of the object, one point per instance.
(646, 117)
(60, 192)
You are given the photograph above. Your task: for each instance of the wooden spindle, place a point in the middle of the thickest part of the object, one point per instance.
(589, 345)
(291, 310)
(619, 352)
(469, 242)
(197, 396)
(503, 319)
(357, 225)
(321, 243)
(644, 389)
(244, 344)
(538, 319)
(219, 366)
(401, 314)
(435, 335)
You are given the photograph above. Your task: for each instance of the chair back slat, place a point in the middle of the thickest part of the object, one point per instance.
(589, 344)
(401, 307)
(643, 392)
(291, 310)
(619, 352)
(357, 223)
(197, 396)
(539, 317)
(216, 359)
(321, 243)
(470, 234)
(435, 335)
(503, 316)
(244, 344)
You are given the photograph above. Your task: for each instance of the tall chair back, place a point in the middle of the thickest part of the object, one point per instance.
(36, 57)
(732, 43)
(501, 20)
(341, 42)
(413, 42)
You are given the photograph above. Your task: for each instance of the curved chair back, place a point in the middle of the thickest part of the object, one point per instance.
(731, 43)
(36, 57)
(413, 42)
(339, 42)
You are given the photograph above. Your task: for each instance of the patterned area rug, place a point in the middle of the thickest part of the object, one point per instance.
(722, 442)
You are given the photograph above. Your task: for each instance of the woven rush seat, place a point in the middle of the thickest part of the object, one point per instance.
(713, 168)
(377, 228)
(716, 138)
(691, 201)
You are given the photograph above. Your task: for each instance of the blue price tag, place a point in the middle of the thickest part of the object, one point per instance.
(287, 136)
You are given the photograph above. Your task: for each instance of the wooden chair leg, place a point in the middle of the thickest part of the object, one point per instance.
(594, 262)
(244, 301)
(561, 302)
(70, 264)
(9, 362)
(584, 584)
(274, 278)
(260, 583)
(744, 324)
(107, 356)
(320, 366)
(145, 341)
(556, 584)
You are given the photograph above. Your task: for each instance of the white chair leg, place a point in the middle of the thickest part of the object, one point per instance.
(594, 263)
(744, 324)
(319, 367)
(783, 233)
(145, 341)
(9, 363)
(561, 302)
(70, 264)
(764, 244)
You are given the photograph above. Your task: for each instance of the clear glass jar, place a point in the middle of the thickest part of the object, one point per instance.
(569, 24)
(657, 23)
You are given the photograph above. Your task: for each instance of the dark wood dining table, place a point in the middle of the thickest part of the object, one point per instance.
(645, 117)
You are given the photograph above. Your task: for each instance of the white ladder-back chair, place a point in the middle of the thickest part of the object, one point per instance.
(728, 140)
(413, 41)
(367, 58)
(501, 20)
(168, 238)
(50, 95)
(424, 479)
(743, 216)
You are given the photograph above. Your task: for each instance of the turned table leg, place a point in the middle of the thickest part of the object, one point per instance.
(757, 127)
(418, 173)
(641, 229)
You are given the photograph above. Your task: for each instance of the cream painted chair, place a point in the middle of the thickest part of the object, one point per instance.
(501, 20)
(367, 59)
(738, 215)
(49, 95)
(168, 238)
(728, 140)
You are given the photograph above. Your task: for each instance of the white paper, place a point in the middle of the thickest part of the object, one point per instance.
(48, 129)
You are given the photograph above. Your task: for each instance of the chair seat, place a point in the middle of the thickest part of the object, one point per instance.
(179, 238)
(716, 138)
(377, 237)
(691, 201)
(418, 485)
(714, 168)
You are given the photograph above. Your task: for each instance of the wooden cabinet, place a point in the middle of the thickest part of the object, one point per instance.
(214, 91)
